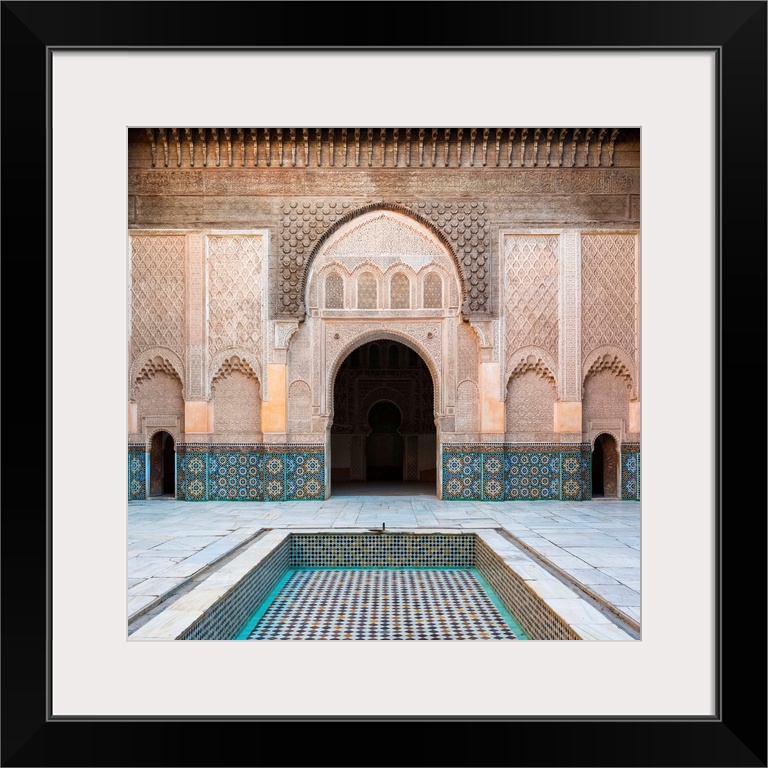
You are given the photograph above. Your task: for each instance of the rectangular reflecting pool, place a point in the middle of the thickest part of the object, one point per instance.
(399, 585)
(382, 604)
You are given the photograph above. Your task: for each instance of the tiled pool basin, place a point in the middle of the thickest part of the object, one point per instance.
(228, 604)
(382, 604)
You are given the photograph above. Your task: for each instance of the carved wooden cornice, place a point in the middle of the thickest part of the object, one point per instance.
(385, 147)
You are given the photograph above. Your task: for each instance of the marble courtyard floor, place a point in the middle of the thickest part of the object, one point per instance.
(593, 546)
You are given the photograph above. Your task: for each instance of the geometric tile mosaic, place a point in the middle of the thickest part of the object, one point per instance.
(504, 472)
(137, 472)
(252, 472)
(382, 605)
(479, 472)
(234, 476)
(532, 475)
(462, 473)
(191, 473)
(533, 615)
(227, 616)
(575, 473)
(630, 475)
(350, 550)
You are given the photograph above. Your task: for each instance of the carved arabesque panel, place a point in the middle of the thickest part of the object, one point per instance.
(606, 397)
(150, 368)
(236, 402)
(531, 291)
(467, 407)
(530, 402)
(157, 292)
(608, 285)
(460, 227)
(300, 355)
(235, 292)
(159, 394)
(468, 353)
(299, 408)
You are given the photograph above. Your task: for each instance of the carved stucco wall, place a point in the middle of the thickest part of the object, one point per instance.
(531, 271)
(157, 295)
(609, 292)
(467, 392)
(606, 402)
(530, 407)
(382, 246)
(565, 298)
(460, 227)
(299, 407)
(160, 403)
(237, 406)
(235, 274)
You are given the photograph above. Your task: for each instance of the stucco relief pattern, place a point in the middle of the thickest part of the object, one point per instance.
(237, 404)
(608, 291)
(235, 279)
(299, 407)
(606, 396)
(569, 378)
(530, 405)
(160, 395)
(531, 291)
(157, 292)
(462, 227)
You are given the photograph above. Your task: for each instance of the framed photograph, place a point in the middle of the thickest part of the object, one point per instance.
(692, 77)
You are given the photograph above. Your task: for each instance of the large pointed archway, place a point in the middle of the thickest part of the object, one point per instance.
(383, 434)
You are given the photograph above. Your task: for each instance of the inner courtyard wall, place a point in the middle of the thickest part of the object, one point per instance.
(236, 333)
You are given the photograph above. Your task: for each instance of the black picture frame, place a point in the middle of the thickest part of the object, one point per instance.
(736, 736)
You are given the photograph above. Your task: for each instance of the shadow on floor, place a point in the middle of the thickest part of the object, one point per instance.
(383, 488)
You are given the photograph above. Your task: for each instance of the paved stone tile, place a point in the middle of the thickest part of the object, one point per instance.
(618, 595)
(591, 576)
(154, 586)
(192, 535)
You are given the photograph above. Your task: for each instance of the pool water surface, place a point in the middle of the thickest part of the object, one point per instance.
(382, 604)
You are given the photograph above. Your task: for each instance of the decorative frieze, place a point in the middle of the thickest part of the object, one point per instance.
(382, 147)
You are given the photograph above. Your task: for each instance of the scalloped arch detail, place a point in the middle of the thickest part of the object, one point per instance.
(534, 359)
(613, 359)
(230, 360)
(153, 361)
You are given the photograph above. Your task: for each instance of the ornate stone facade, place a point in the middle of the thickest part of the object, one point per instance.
(295, 292)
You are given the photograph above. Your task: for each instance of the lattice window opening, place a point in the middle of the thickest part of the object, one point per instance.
(433, 291)
(334, 291)
(400, 292)
(367, 293)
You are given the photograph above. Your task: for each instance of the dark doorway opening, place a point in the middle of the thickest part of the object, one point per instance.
(383, 434)
(162, 466)
(605, 463)
(384, 445)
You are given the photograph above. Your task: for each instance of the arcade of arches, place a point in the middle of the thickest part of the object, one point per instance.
(313, 307)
